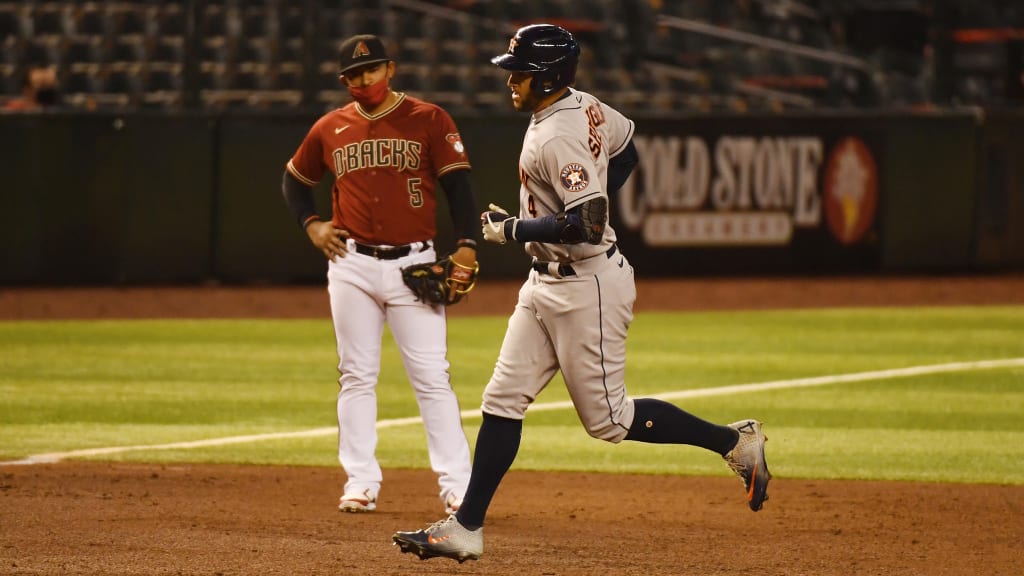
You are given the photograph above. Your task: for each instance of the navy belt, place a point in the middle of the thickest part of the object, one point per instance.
(389, 253)
(567, 269)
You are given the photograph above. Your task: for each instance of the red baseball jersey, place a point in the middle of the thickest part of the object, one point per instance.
(385, 167)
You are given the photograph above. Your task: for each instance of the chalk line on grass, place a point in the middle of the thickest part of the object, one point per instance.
(546, 406)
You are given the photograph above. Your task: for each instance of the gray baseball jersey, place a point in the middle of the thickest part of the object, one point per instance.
(575, 322)
(564, 163)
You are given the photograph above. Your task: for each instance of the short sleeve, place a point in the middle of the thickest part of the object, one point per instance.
(571, 171)
(620, 130)
(448, 152)
(307, 164)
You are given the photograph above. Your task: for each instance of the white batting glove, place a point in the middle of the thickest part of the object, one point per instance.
(498, 226)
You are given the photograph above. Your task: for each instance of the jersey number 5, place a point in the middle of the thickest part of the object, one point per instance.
(415, 195)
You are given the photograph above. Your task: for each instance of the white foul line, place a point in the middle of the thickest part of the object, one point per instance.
(562, 405)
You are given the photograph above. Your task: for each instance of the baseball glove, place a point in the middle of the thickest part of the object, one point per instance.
(442, 282)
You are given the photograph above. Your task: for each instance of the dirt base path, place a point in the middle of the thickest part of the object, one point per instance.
(76, 518)
(97, 518)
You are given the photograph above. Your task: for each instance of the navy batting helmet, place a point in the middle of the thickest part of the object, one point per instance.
(547, 51)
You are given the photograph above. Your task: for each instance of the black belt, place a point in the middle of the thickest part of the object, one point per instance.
(383, 253)
(567, 269)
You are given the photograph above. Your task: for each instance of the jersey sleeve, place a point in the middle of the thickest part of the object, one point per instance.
(619, 130)
(447, 151)
(571, 171)
(307, 165)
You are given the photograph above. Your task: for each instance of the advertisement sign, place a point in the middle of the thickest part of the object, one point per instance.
(736, 198)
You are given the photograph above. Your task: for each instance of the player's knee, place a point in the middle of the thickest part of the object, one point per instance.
(607, 430)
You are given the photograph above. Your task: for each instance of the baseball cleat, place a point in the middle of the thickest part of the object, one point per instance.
(747, 460)
(444, 538)
(452, 504)
(364, 501)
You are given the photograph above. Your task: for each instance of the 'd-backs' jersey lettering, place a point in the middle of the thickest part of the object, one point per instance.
(385, 167)
(564, 163)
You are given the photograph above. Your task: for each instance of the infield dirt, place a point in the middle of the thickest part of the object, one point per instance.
(104, 518)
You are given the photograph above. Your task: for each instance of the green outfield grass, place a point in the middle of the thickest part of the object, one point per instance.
(67, 386)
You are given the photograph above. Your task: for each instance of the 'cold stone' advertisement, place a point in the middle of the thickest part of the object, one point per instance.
(750, 203)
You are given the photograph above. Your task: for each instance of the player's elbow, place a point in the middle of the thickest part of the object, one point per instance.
(586, 222)
(593, 218)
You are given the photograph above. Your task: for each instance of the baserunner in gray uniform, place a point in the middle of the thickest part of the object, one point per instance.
(577, 304)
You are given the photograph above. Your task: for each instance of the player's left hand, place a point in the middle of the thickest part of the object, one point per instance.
(495, 227)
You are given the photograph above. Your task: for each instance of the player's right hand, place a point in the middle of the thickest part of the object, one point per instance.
(327, 238)
(493, 224)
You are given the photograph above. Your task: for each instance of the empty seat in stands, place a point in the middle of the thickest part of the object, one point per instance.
(292, 23)
(213, 76)
(257, 21)
(11, 21)
(90, 19)
(360, 21)
(128, 49)
(127, 18)
(50, 19)
(162, 79)
(43, 50)
(165, 49)
(286, 76)
(170, 20)
(290, 50)
(328, 81)
(410, 78)
(120, 81)
(215, 49)
(81, 79)
(406, 24)
(247, 78)
(456, 51)
(82, 49)
(213, 22)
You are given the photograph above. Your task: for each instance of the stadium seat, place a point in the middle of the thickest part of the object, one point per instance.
(161, 78)
(11, 21)
(47, 19)
(165, 49)
(127, 48)
(169, 20)
(128, 18)
(82, 49)
(90, 19)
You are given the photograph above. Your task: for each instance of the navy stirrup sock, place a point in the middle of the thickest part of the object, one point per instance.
(496, 447)
(659, 422)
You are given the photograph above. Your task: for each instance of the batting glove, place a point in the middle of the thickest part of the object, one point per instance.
(498, 226)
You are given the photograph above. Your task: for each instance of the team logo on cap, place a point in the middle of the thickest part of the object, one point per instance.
(456, 141)
(360, 50)
(512, 45)
(574, 177)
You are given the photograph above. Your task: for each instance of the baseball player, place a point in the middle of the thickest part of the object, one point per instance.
(386, 152)
(577, 303)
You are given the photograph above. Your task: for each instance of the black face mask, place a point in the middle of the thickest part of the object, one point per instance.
(46, 96)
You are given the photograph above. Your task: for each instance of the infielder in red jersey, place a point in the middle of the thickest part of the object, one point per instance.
(386, 153)
(576, 305)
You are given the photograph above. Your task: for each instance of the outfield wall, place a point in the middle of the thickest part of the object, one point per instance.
(156, 198)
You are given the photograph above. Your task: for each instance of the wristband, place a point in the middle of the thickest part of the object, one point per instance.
(510, 228)
(310, 220)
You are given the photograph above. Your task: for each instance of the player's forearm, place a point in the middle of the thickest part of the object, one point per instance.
(583, 223)
(461, 204)
(299, 199)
